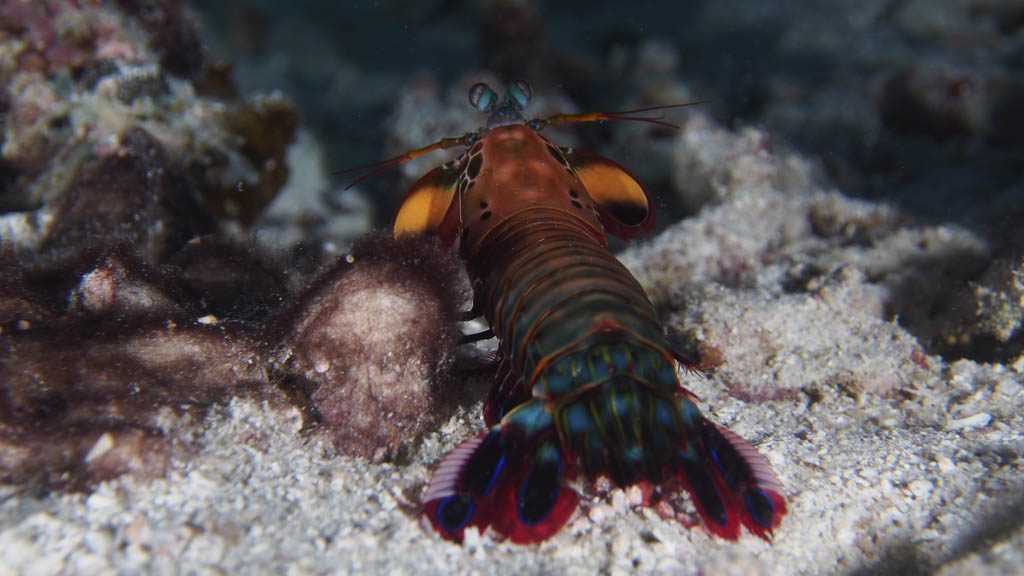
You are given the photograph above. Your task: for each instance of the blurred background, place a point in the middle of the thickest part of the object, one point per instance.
(916, 102)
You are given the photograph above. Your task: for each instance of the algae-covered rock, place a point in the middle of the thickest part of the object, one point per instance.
(80, 79)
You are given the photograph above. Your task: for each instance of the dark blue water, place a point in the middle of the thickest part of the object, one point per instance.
(914, 104)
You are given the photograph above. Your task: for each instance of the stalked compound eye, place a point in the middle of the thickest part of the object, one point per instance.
(482, 97)
(518, 94)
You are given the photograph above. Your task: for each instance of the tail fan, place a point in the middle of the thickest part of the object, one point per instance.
(732, 484)
(499, 479)
(506, 392)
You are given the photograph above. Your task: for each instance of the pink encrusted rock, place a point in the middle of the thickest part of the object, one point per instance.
(371, 339)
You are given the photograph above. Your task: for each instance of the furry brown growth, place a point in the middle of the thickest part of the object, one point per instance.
(72, 391)
(91, 355)
(369, 341)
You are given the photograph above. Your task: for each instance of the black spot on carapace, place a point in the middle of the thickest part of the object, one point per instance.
(485, 216)
(473, 168)
(574, 194)
(576, 204)
(483, 205)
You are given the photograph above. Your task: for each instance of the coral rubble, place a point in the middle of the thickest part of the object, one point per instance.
(129, 304)
(86, 82)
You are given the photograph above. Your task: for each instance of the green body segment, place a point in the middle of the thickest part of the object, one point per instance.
(578, 328)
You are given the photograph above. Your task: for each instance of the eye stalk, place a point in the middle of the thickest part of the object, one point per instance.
(518, 94)
(485, 99)
(482, 97)
(508, 113)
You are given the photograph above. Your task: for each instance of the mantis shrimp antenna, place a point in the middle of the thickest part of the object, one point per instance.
(507, 111)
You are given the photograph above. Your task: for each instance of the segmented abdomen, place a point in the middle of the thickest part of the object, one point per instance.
(579, 330)
(587, 384)
(549, 284)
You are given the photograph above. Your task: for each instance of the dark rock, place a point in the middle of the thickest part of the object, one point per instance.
(230, 280)
(132, 197)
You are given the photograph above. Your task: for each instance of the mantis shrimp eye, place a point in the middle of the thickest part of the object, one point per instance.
(482, 97)
(518, 94)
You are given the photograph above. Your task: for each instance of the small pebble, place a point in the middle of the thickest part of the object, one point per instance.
(946, 466)
(979, 420)
(103, 444)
